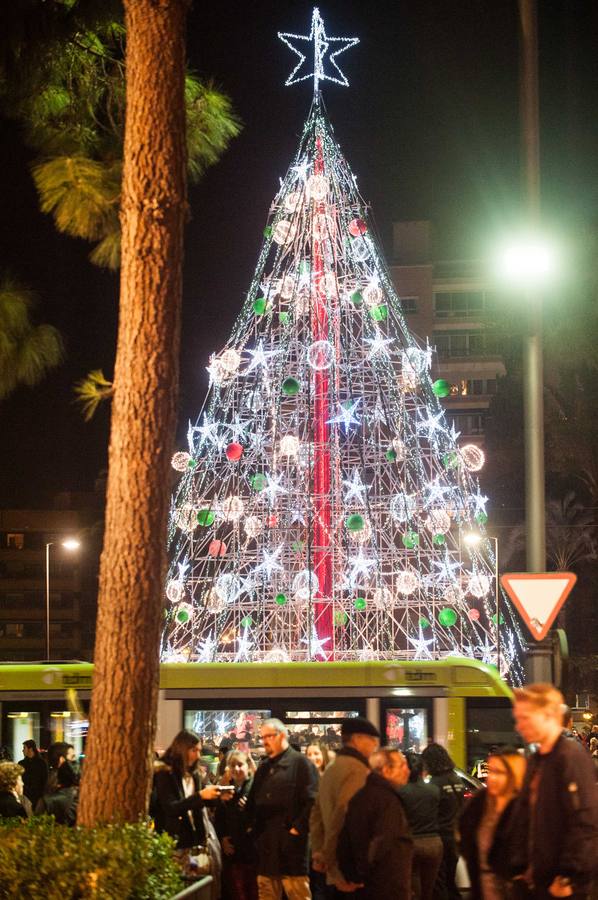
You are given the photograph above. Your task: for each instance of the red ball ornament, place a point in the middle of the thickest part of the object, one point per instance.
(357, 227)
(272, 521)
(217, 548)
(234, 452)
(473, 615)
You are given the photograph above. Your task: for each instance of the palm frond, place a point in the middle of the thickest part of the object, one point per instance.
(91, 391)
(211, 125)
(81, 194)
(107, 252)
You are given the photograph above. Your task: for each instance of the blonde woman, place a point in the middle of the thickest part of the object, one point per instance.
(488, 840)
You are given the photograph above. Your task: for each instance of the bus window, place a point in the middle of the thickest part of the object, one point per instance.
(240, 725)
(489, 724)
(22, 726)
(317, 726)
(66, 727)
(407, 728)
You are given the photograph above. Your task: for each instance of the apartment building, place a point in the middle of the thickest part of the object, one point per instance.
(445, 302)
(29, 538)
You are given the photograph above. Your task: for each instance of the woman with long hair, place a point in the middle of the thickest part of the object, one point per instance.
(239, 871)
(487, 838)
(317, 753)
(178, 797)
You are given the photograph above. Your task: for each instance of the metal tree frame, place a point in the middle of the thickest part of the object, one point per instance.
(336, 529)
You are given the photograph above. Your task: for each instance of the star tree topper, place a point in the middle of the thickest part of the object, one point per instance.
(322, 46)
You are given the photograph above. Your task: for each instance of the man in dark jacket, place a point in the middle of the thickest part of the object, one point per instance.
(375, 847)
(559, 799)
(278, 808)
(36, 772)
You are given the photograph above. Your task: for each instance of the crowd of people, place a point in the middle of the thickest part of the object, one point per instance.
(366, 821)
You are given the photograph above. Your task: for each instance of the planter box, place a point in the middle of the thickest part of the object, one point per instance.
(199, 890)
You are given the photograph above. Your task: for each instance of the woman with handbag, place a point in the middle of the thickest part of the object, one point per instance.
(178, 807)
(491, 839)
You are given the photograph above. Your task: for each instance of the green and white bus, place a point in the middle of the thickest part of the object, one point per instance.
(461, 703)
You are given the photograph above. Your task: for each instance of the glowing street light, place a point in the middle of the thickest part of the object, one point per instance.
(70, 544)
(527, 261)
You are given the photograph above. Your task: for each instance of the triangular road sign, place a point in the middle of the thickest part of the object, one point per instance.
(538, 597)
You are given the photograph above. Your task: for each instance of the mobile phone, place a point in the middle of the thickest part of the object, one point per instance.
(225, 787)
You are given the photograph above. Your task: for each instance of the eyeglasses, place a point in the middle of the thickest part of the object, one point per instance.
(273, 734)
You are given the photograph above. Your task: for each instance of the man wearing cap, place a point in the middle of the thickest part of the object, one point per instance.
(339, 783)
(375, 847)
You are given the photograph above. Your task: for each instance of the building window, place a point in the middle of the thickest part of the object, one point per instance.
(12, 629)
(473, 387)
(15, 540)
(459, 304)
(409, 304)
(468, 424)
(461, 343)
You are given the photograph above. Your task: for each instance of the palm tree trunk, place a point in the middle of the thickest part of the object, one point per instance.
(123, 711)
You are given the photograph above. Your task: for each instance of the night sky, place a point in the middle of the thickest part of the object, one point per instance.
(429, 125)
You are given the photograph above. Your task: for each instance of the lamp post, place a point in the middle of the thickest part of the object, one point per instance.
(473, 538)
(69, 544)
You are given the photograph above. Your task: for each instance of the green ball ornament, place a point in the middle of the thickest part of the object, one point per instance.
(356, 298)
(205, 518)
(481, 518)
(340, 617)
(192, 464)
(247, 622)
(258, 481)
(391, 455)
(447, 617)
(297, 546)
(423, 622)
(441, 387)
(182, 616)
(450, 459)
(354, 523)
(410, 539)
(439, 540)
(268, 231)
(379, 313)
(501, 620)
(290, 387)
(259, 306)
(360, 603)
(280, 599)
(283, 318)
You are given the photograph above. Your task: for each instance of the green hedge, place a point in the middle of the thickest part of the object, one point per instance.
(40, 859)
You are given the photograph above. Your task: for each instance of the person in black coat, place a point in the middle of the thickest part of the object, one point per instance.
(421, 802)
(36, 772)
(177, 795)
(441, 769)
(11, 787)
(62, 801)
(375, 847)
(278, 807)
(559, 799)
(490, 838)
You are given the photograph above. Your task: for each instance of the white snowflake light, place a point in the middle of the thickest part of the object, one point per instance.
(438, 521)
(317, 187)
(288, 445)
(284, 232)
(320, 355)
(407, 581)
(253, 526)
(175, 590)
(383, 598)
(305, 585)
(186, 517)
(478, 585)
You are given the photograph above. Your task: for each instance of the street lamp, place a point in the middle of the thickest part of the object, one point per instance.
(473, 538)
(69, 544)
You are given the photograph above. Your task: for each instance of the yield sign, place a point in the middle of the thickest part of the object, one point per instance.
(538, 597)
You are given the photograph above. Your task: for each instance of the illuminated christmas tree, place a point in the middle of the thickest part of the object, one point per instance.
(323, 499)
